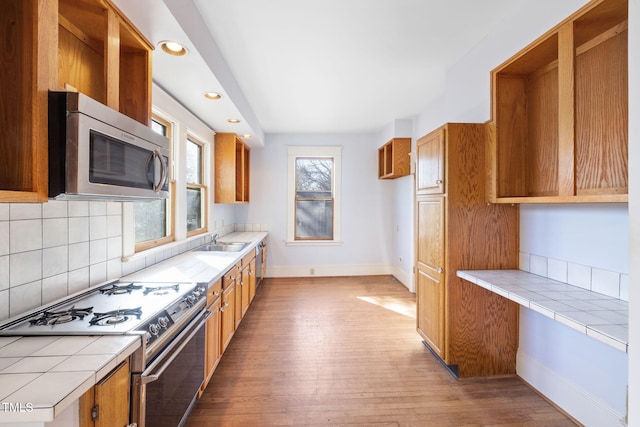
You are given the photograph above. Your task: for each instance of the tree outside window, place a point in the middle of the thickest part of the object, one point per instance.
(314, 198)
(313, 206)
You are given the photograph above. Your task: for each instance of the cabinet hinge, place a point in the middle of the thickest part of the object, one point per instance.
(95, 412)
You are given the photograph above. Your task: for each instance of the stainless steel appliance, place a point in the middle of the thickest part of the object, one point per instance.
(96, 152)
(168, 370)
(259, 273)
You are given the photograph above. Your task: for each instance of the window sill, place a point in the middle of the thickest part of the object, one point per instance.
(313, 242)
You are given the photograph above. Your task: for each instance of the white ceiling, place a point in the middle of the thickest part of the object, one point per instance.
(311, 67)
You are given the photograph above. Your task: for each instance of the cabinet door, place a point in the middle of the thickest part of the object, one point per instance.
(107, 403)
(430, 163)
(430, 310)
(228, 316)
(245, 282)
(430, 290)
(252, 280)
(212, 343)
(430, 234)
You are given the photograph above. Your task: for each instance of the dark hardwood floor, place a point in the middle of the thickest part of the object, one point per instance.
(344, 351)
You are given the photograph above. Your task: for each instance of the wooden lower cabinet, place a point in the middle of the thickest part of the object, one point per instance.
(472, 330)
(430, 313)
(228, 322)
(213, 331)
(107, 403)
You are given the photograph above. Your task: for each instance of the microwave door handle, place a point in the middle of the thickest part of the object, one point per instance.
(163, 171)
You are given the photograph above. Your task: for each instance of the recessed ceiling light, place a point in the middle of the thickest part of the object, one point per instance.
(247, 136)
(172, 48)
(212, 95)
(234, 121)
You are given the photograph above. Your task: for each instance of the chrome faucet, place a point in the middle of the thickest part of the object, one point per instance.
(214, 238)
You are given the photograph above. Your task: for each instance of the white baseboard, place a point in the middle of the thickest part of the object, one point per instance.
(584, 407)
(325, 270)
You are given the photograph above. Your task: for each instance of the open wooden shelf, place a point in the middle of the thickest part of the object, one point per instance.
(394, 158)
(560, 113)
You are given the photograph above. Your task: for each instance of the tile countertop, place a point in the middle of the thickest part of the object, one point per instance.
(41, 376)
(596, 315)
(199, 266)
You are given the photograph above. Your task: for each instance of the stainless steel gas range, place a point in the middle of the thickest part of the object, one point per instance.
(168, 370)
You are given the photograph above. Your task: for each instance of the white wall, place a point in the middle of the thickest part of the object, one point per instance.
(367, 209)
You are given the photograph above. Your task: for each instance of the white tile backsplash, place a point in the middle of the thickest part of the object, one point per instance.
(98, 227)
(579, 275)
(78, 208)
(4, 272)
(54, 287)
(55, 232)
(25, 297)
(25, 235)
(605, 282)
(609, 283)
(4, 237)
(78, 255)
(55, 261)
(54, 249)
(557, 270)
(78, 229)
(25, 267)
(46, 250)
(4, 211)
(97, 251)
(538, 265)
(25, 211)
(55, 209)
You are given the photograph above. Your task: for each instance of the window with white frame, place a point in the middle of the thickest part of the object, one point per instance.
(196, 188)
(314, 195)
(153, 221)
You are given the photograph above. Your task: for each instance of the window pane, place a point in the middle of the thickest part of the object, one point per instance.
(159, 127)
(194, 208)
(150, 219)
(194, 162)
(314, 219)
(314, 175)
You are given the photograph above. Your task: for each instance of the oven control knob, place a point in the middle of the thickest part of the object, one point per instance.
(202, 289)
(154, 329)
(191, 299)
(148, 336)
(163, 322)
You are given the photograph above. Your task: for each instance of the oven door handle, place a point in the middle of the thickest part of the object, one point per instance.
(152, 373)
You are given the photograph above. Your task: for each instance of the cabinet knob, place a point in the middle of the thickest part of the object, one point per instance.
(221, 308)
(439, 270)
(226, 303)
(438, 181)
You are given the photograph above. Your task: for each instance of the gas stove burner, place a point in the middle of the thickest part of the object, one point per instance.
(115, 317)
(59, 317)
(116, 289)
(161, 289)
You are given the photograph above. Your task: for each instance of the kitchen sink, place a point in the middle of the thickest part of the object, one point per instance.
(223, 247)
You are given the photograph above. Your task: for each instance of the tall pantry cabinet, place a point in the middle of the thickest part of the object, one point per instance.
(470, 329)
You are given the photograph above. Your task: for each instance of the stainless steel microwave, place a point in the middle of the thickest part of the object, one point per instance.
(96, 152)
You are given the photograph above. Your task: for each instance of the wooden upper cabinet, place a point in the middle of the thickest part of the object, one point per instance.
(394, 158)
(560, 113)
(101, 54)
(231, 165)
(83, 45)
(430, 172)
